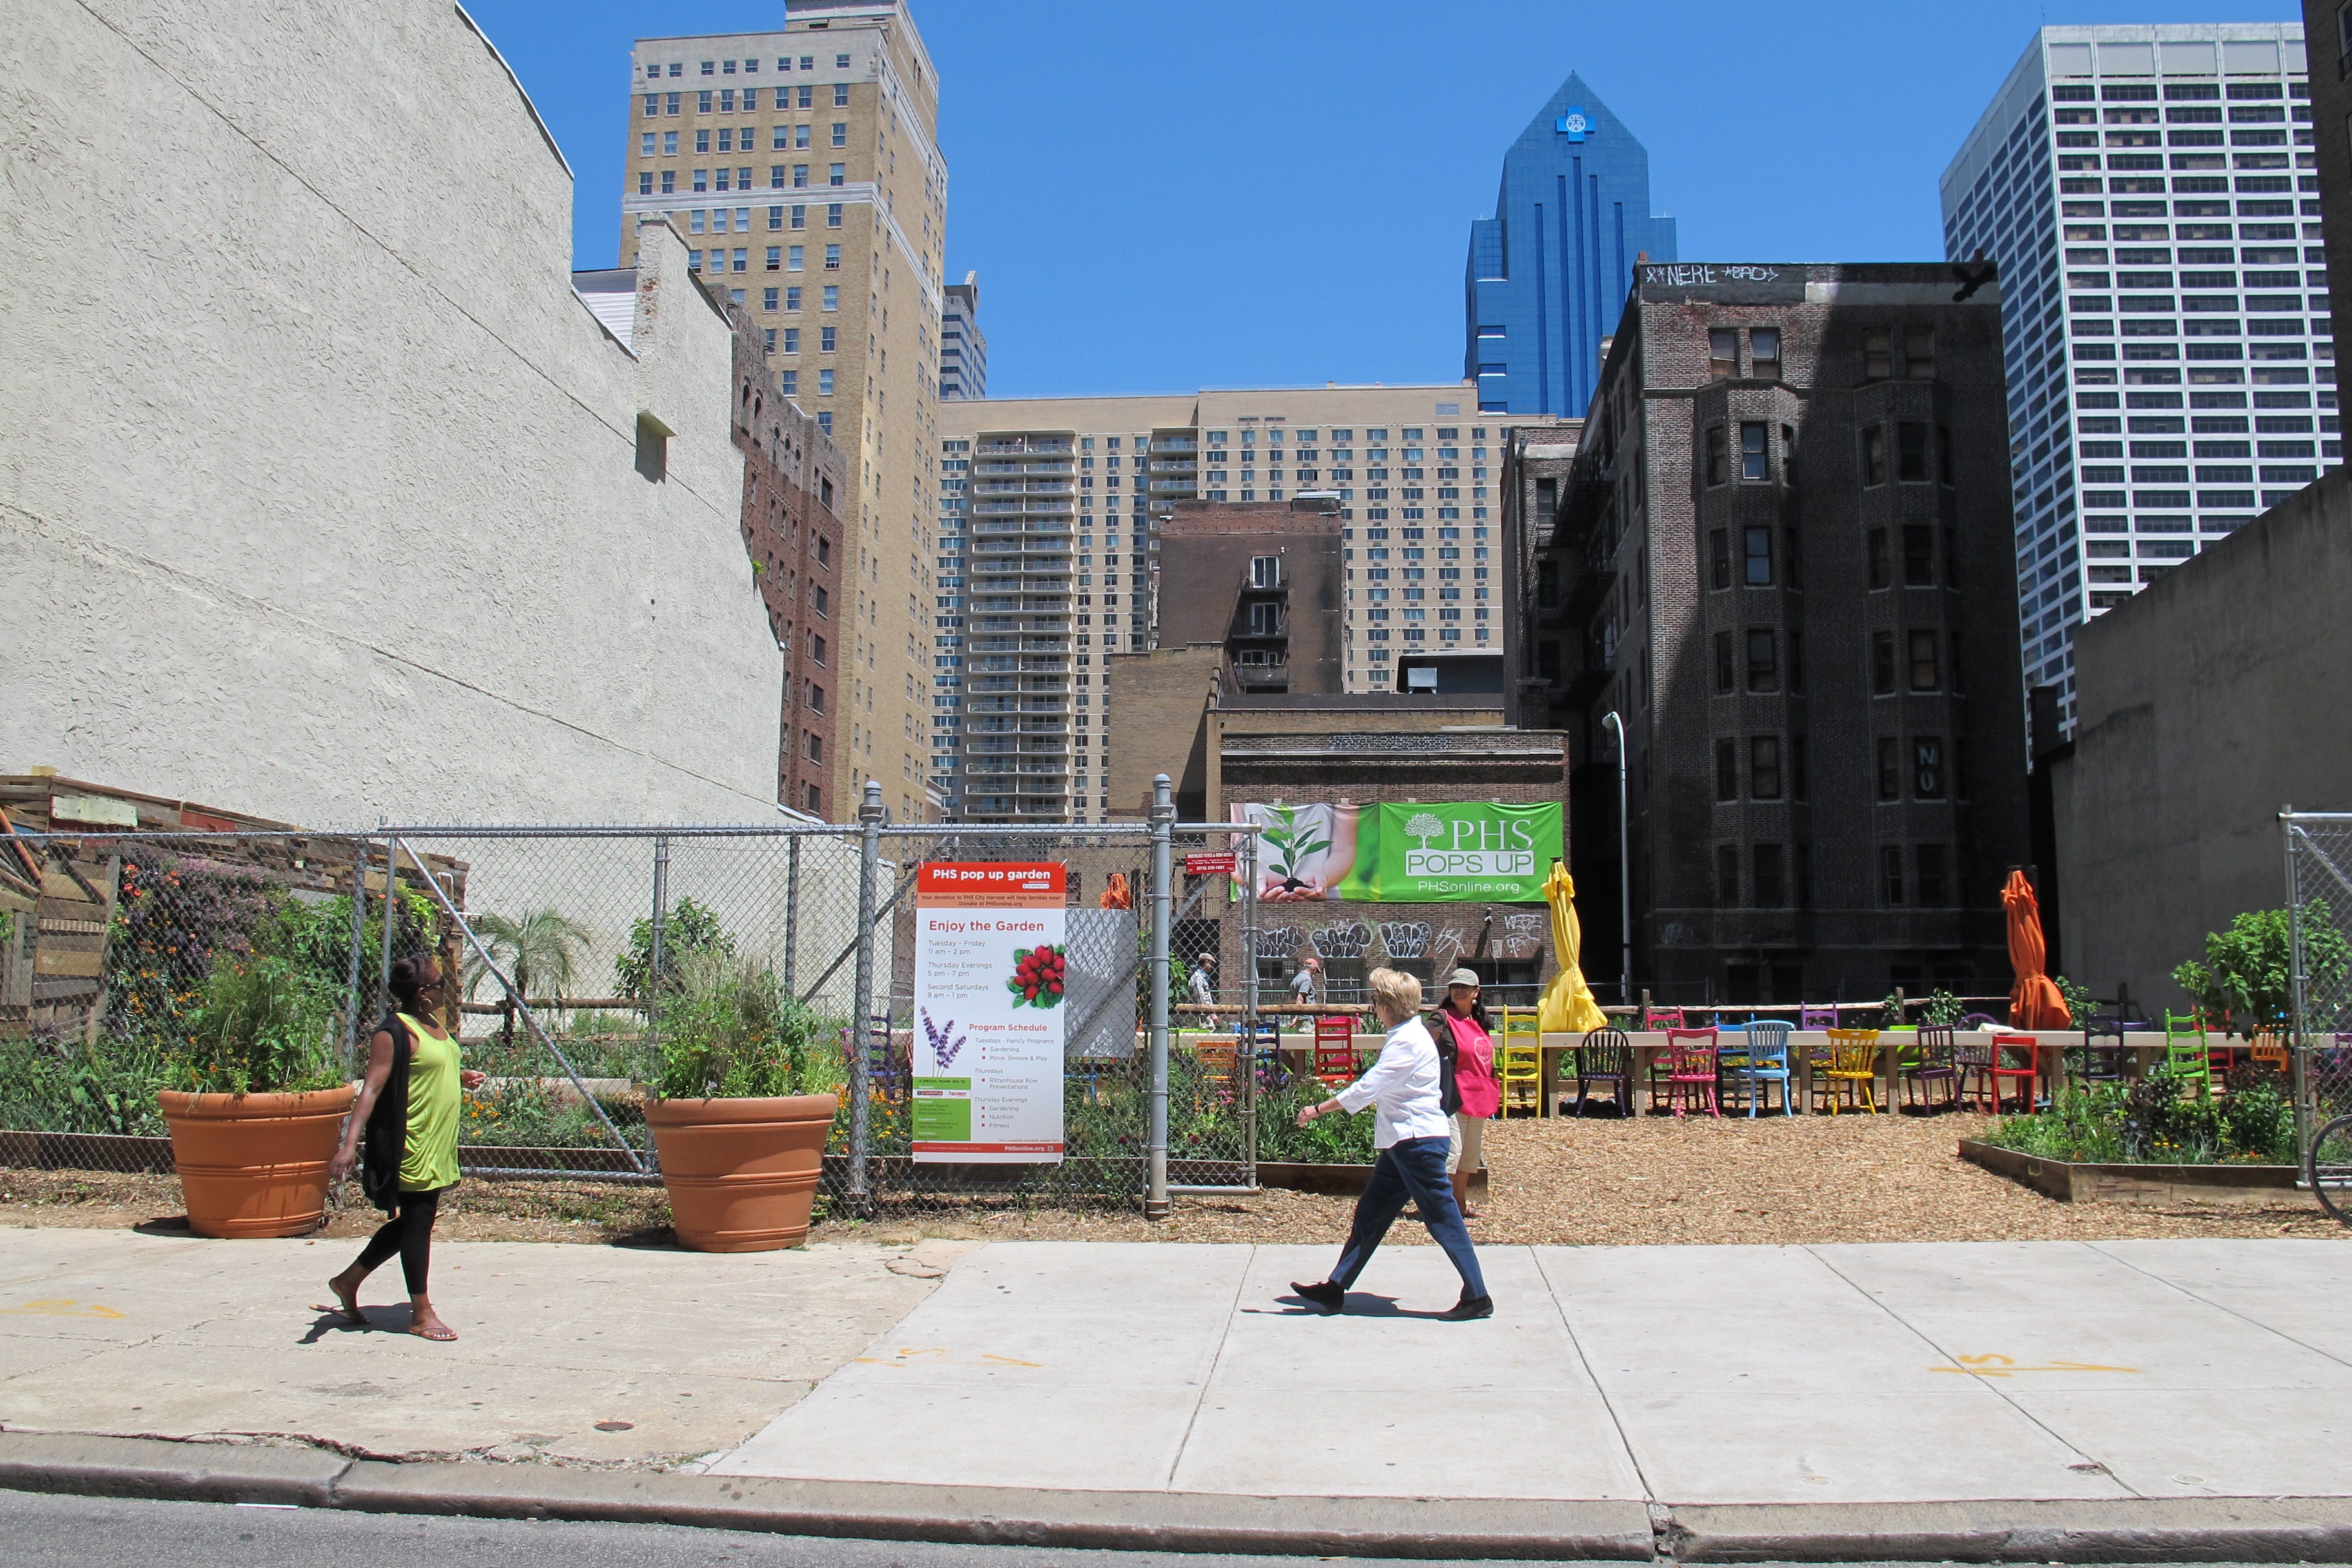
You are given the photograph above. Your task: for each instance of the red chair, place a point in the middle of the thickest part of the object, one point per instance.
(1989, 1064)
(1691, 1070)
(1335, 1050)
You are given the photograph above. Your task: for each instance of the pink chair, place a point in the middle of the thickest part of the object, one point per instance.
(1691, 1070)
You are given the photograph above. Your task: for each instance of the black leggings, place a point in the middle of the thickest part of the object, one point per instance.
(408, 1232)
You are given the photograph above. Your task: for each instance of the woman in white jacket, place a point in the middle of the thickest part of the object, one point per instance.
(1412, 1133)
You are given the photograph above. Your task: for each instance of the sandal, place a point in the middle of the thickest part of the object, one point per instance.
(344, 1316)
(443, 1336)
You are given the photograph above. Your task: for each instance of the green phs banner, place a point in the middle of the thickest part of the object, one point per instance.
(1466, 851)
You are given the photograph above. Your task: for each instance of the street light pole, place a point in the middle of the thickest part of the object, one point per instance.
(1624, 866)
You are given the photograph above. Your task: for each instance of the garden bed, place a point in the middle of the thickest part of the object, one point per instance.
(2146, 1184)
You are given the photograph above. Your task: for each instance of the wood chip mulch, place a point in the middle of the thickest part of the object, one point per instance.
(1646, 1182)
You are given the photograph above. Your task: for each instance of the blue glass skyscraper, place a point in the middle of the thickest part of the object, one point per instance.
(1548, 272)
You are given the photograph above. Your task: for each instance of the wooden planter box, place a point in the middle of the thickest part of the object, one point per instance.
(2148, 1184)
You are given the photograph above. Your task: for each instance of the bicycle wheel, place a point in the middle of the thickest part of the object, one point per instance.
(2329, 1168)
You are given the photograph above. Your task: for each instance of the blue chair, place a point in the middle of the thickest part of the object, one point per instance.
(1764, 1059)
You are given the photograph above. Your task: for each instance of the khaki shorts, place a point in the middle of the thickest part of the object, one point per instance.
(1469, 1151)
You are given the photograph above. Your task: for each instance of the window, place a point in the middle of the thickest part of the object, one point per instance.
(789, 383)
(1933, 885)
(816, 649)
(815, 751)
(840, 134)
(742, 259)
(1771, 885)
(1890, 768)
(825, 383)
(833, 258)
(652, 104)
(835, 173)
(767, 299)
(1760, 557)
(1726, 876)
(1918, 555)
(1877, 353)
(823, 606)
(800, 176)
(1755, 463)
(669, 104)
(1715, 456)
(775, 263)
(1890, 876)
(1919, 352)
(794, 259)
(1764, 766)
(1764, 353)
(1882, 664)
(669, 182)
(792, 298)
(1726, 676)
(1925, 676)
(841, 92)
(800, 217)
(1723, 352)
(1719, 552)
(1763, 660)
(1927, 768)
(669, 143)
(1882, 563)
(645, 184)
(1911, 452)
(1797, 781)
(1874, 455)
(1944, 454)
(791, 339)
(833, 214)
(1266, 570)
(825, 339)
(807, 96)
(833, 296)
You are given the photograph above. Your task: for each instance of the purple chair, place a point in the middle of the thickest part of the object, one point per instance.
(1809, 1018)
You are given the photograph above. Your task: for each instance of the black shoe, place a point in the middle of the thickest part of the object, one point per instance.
(1470, 1307)
(1328, 1295)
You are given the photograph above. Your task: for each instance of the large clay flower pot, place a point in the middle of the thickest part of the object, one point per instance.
(742, 1173)
(256, 1164)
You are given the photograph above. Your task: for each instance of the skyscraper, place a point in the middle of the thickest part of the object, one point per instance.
(2182, 378)
(1548, 272)
(963, 348)
(802, 171)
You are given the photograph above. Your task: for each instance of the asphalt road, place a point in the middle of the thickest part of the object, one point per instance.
(48, 1532)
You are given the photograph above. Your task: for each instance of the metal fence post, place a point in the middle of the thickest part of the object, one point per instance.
(1163, 816)
(390, 917)
(2296, 1002)
(791, 914)
(861, 1001)
(359, 944)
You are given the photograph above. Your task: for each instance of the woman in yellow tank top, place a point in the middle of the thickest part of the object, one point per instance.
(425, 1099)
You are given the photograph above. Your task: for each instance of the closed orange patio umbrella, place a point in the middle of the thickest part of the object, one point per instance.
(2033, 1002)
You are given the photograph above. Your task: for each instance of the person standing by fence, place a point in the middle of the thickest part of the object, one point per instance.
(1412, 1133)
(407, 1111)
(1465, 1036)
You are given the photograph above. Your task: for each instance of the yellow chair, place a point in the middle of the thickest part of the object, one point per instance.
(1518, 1059)
(1851, 1070)
(1215, 1054)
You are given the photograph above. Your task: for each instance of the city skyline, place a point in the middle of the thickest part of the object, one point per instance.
(1381, 183)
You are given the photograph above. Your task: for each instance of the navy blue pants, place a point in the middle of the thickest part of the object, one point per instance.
(1411, 1168)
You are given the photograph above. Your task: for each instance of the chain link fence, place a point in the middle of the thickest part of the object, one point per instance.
(2319, 933)
(587, 959)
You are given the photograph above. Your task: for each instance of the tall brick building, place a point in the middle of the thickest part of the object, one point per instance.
(1783, 556)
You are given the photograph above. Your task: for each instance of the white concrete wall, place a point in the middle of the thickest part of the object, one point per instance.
(317, 488)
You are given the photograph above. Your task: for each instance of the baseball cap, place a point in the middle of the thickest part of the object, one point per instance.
(1464, 977)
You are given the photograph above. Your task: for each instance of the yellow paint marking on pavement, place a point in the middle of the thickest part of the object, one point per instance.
(63, 1309)
(937, 1356)
(2004, 1366)
(1010, 1360)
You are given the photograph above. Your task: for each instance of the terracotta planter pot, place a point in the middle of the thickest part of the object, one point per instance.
(254, 1164)
(742, 1173)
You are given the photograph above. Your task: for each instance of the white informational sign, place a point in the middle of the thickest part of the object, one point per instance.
(991, 984)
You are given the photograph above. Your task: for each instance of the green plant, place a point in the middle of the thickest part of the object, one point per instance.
(2245, 968)
(689, 931)
(538, 949)
(2080, 1004)
(1890, 1012)
(1325, 1140)
(730, 1030)
(1944, 1008)
(264, 1026)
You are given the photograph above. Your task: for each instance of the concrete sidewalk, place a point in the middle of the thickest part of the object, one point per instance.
(1671, 1375)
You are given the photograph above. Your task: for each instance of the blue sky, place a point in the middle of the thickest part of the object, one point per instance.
(1161, 197)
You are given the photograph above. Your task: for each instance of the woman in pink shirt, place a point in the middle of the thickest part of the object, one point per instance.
(1460, 1028)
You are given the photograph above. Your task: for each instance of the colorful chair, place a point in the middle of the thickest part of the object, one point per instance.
(1518, 1059)
(1215, 1055)
(1764, 1060)
(1335, 1050)
(1661, 1018)
(1811, 1018)
(2270, 1048)
(1989, 1063)
(1851, 1073)
(2102, 1058)
(1690, 1071)
(1606, 1056)
(2187, 1055)
(1935, 1062)
(1979, 1021)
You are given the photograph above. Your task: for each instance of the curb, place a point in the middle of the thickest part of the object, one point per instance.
(2164, 1529)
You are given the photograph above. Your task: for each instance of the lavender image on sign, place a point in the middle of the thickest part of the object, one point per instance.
(944, 1049)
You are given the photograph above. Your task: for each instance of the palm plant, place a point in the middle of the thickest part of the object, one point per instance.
(540, 948)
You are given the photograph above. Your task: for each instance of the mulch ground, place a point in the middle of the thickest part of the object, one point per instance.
(1646, 1182)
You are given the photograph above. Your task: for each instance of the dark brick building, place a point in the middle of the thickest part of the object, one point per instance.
(1784, 557)
(792, 531)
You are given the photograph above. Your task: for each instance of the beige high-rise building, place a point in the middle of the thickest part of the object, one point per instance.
(1048, 513)
(802, 170)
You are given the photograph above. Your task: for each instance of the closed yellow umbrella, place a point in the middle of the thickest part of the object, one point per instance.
(1568, 1006)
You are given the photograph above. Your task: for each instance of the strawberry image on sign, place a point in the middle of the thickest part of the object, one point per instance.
(1037, 977)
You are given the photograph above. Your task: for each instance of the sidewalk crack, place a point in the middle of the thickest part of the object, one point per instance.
(1649, 1492)
(1233, 1309)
